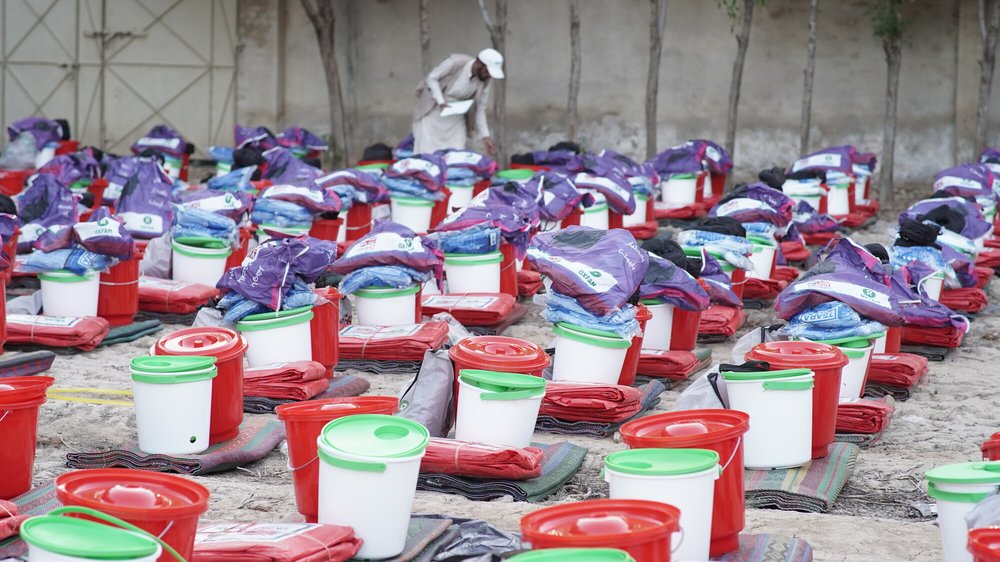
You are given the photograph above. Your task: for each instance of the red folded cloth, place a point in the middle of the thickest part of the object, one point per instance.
(392, 343)
(865, 415)
(992, 242)
(763, 289)
(274, 542)
(983, 276)
(528, 283)
(991, 448)
(644, 231)
(820, 238)
(860, 215)
(970, 299)
(601, 403)
(174, 297)
(470, 309)
(937, 337)
(988, 257)
(56, 331)
(478, 460)
(786, 273)
(674, 365)
(298, 380)
(695, 210)
(721, 320)
(10, 521)
(899, 369)
(795, 250)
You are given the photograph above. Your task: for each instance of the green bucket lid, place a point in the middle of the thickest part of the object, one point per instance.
(573, 555)
(652, 302)
(386, 292)
(662, 462)
(765, 375)
(272, 320)
(80, 538)
(173, 369)
(373, 166)
(374, 435)
(473, 259)
(762, 240)
(681, 176)
(594, 337)
(411, 201)
(854, 342)
(262, 316)
(202, 242)
(63, 276)
(516, 174)
(497, 385)
(980, 472)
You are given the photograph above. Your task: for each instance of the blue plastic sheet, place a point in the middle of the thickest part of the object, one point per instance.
(560, 308)
(393, 276)
(280, 213)
(196, 222)
(830, 320)
(479, 239)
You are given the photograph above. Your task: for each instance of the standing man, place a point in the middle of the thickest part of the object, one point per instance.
(447, 98)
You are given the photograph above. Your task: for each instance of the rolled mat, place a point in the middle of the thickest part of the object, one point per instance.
(811, 488)
(762, 289)
(10, 519)
(518, 312)
(865, 415)
(769, 548)
(424, 533)
(23, 364)
(471, 309)
(53, 331)
(528, 283)
(945, 337)
(392, 343)
(131, 332)
(378, 367)
(478, 460)
(795, 251)
(983, 276)
(650, 398)
(675, 365)
(257, 437)
(37, 501)
(720, 321)
(601, 403)
(988, 257)
(969, 300)
(274, 542)
(337, 387)
(298, 380)
(175, 297)
(901, 369)
(559, 463)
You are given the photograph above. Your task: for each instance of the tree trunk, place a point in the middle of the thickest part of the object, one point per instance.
(324, 21)
(657, 17)
(498, 38)
(574, 68)
(807, 89)
(986, 66)
(892, 59)
(425, 37)
(742, 42)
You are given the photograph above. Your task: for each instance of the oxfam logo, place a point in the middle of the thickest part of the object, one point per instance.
(147, 220)
(868, 293)
(595, 273)
(102, 222)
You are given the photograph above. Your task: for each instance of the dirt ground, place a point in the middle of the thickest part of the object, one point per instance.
(882, 514)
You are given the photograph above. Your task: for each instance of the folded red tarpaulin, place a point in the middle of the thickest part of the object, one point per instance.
(56, 331)
(820, 238)
(992, 242)
(988, 257)
(938, 337)
(478, 460)
(898, 369)
(392, 343)
(298, 380)
(795, 251)
(528, 283)
(721, 320)
(983, 276)
(786, 273)
(971, 299)
(274, 542)
(865, 415)
(470, 309)
(175, 297)
(675, 365)
(644, 231)
(763, 289)
(693, 211)
(601, 403)
(860, 215)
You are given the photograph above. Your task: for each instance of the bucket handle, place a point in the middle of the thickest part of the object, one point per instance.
(739, 441)
(4, 416)
(300, 467)
(680, 542)
(119, 523)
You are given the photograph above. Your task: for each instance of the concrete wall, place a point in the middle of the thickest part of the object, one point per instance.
(281, 82)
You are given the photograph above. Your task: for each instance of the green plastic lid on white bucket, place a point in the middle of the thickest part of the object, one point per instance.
(386, 292)
(63, 276)
(661, 462)
(80, 538)
(272, 320)
(173, 369)
(857, 342)
(412, 201)
(495, 385)
(201, 246)
(765, 375)
(967, 473)
(374, 436)
(573, 555)
(473, 259)
(593, 337)
(290, 230)
(681, 176)
(762, 240)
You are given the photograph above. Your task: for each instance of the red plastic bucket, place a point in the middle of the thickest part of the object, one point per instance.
(303, 423)
(325, 328)
(359, 221)
(627, 376)
(508, 270)
(573, 219)
(164, 505)
(326, 229)
(3, 316)
(20, 398)
(718, 185)
(236, 258)
(67, 147)
(640, 527)
(118, 298)
(228, 348)
(718, 430)
(827, 363)
(497, 353)
(893, 339)
(480, 186)
(739, 280)
(984, 544)
(12, 181)
(440, 210)
(991, 448)
(684, 330)
(10, 250)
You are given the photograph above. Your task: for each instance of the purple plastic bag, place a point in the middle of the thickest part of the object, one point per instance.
(756, 202)
(312, 198)
(866, 160)
(145, 201)
(71, 168)
(564, 160)
(605, 175)
(513, 228)
(966, 180)
(720, 286)
(406, 144)
(103, 233)
(989, 155)
(601, 269)
(718, 160)
(45, 202)
(809, 221)
(254, 136)
(391, 243)
(427, 169)
(44, 130)
(162, 138)
(556, 194)
(481, 164)
(301, 138)
(836, 158)
(670, 284)
(369, 189)
(681, 159)
(233, 204)
(965, 268)
(55, 237)
(917, 308)
(270, 270)
(8, 224)
(513, 194)
(282, 167)
(975, 224)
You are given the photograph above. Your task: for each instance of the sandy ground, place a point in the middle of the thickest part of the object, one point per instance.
(877, 517)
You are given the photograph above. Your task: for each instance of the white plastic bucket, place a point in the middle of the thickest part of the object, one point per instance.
(498, 408)
(706, 185)
(660, 328)
(958, 488)
(70, 295)
(54, 538)
(460, 196)
(779, 404)
(278, 337)
(852, 379)
(412, 212)
(473, 273)
(342, 231)
(584, 355)
(372, 493)
(763, 256)
(595, 216)
(838, 202)
(932, 285)
(638, 216)
(386, 307)
(289, 230)
(173, 403)
(879, 345)
(679, 190)
(199, 260)
(683, 478)
(810, 191)
(860, 186)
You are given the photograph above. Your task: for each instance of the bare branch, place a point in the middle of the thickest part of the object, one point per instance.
(981, 9)
(425, 37)
(663, 16)
(657, 9)
(486, 18)
(574, 67)
(807, 89)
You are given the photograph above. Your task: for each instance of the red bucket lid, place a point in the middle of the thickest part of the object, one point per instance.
(221, 343)
(500, 352)
(805, 354)
(14, 390)
(685, 429)
(133, 494)
(329, 409)
(991, 447)
(602, 522)
(984, 543)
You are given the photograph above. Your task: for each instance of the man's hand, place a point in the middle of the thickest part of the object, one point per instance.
(491, 148)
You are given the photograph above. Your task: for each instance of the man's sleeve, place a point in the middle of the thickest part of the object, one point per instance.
(481, 104)
(433, 80)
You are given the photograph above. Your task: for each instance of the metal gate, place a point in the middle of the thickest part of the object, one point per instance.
(115, 68)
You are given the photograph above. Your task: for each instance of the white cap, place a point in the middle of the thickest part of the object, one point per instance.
(493, 61)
